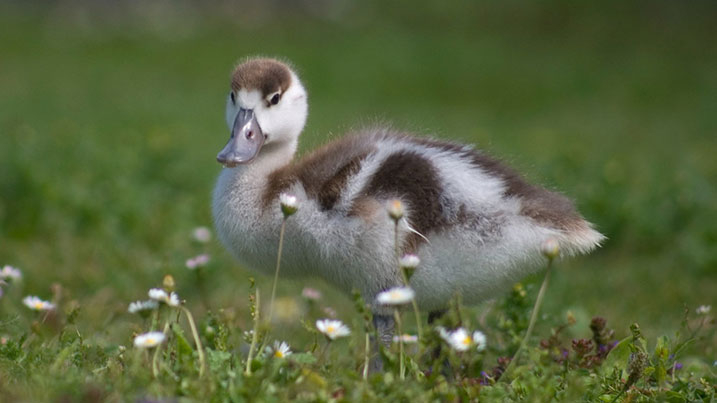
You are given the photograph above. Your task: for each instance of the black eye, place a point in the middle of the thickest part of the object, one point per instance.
(275, 99)
(233, 97)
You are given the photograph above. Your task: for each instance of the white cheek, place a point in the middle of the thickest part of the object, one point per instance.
(267, 119)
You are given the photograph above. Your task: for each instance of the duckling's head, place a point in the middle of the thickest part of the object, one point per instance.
(266, 109)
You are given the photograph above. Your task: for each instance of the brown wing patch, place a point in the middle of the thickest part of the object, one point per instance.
(265, 75)
(414, 179)
(331, 190)
(324, 172)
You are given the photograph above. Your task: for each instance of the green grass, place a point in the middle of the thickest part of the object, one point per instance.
(110, 121)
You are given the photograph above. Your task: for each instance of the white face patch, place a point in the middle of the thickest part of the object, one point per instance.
(249, 99)
(280, 122)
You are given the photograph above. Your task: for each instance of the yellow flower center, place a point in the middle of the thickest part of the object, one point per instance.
(466, 341)
(149, 340)
(330, 329)
(278, 354)
(39, 305)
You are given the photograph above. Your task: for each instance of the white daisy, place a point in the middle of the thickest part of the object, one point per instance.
(202, 234)
(460, 339)
(703, 309)
(160, 295)
(550, 248)
(406, 338)
(37, 304)
(173, 300)
(197, 261)
(409, 261)
(332, 328)
(148, 340)
(395, 209)
(479, 340)
(396, 296)
(289, 204)
(281, 349)
(139, 306)
(10, 273)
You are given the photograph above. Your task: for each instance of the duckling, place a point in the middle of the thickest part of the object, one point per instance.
(476, 225)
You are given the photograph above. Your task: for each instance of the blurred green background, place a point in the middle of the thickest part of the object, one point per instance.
(111, 114)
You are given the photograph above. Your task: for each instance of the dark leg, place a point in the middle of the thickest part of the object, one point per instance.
(384, 327)
(432, 318)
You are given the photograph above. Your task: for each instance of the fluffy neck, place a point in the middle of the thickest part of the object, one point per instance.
(272, 157)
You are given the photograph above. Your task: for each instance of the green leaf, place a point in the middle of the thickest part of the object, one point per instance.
(662, 353)
(302, 358)
(217, 359)
(662, 347)
(183, 347)
(674, 397)
(618, 356)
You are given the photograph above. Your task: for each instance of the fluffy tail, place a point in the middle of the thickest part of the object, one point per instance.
(581, 240)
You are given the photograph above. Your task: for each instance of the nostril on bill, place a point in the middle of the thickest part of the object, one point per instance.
(249, 134)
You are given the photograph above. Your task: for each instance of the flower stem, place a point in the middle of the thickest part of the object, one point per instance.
(395, 243)
(402, 367)
(366, 353)
(254, 336)
(414, 304)
(323, 352)
(416, 312)
(533, 317)
(197, 341)
(155, 357)
(276, 273)
(155, 320)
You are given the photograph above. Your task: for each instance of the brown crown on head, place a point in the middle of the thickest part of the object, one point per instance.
(266, 75)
